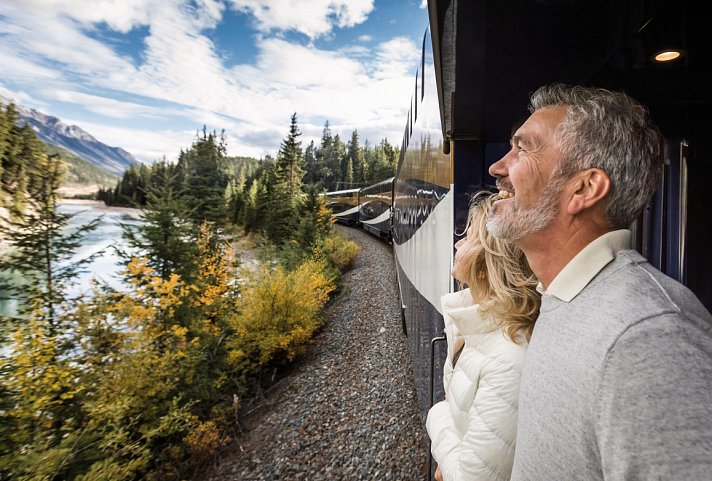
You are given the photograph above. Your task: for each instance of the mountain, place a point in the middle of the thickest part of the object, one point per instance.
(80, 172)
(74, 139)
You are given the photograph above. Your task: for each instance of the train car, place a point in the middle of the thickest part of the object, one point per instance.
(344, 206)
(480, 61)
(375, 203)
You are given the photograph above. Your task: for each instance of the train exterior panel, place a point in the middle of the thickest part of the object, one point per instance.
(344, 205)
(375, 202)
(427, 207)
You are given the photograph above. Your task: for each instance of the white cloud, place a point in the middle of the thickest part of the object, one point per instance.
(146, 146)
(424, 4)
(111, 107)
(119, 15)
(313, 18)
(352, 87)
(25, 69)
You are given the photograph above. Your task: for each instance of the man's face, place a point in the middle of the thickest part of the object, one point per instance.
(531, 198)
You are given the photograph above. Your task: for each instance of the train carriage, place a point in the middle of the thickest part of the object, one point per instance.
(375, 208)
(480, 61)
(344, 205)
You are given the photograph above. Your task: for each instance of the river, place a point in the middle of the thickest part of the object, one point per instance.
(106, 236)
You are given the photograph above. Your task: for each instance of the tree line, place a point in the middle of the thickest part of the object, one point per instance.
(21, 159)
(329, 165)
(147, 381)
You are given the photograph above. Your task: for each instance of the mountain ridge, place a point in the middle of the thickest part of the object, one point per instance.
(73, 138)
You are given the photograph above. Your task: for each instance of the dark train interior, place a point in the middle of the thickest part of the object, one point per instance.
(491, 54)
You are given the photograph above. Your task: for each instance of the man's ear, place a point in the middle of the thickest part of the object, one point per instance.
(588, 188)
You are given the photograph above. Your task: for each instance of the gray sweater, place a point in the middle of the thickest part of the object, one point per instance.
(617, 383)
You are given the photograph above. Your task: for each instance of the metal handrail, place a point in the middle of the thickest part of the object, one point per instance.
(432, 394)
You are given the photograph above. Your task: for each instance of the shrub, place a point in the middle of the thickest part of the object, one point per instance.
(340, 251)
(277, 314)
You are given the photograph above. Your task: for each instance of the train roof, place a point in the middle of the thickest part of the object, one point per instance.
(343, 192)
(491, 54)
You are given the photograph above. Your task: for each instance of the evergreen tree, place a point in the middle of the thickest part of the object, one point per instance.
(311, 174)
(41, 247)
(235, 197)
(7, 121)
(9, 147)
(204, 166)
(43, 379)
(289, 160)
(314, 220)
(276, 206)
(166, 235)
(359, 171)
(336, 154)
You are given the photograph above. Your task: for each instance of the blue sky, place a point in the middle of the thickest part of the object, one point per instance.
(145, 75)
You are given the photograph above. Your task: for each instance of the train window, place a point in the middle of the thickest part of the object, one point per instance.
(410, 119)
(415, 104)
(422, 67)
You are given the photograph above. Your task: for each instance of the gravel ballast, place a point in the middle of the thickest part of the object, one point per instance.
(347, 408)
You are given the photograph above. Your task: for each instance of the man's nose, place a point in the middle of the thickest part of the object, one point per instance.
(499, 168)
(459, 243)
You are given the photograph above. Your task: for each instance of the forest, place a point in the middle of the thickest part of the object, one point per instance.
(148, 382)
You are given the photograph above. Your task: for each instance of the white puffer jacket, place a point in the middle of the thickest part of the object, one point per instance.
(473, 431)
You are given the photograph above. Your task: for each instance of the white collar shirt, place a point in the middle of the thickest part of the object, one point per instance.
(586, 264)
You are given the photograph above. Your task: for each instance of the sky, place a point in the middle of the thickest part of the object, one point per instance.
(146, 75)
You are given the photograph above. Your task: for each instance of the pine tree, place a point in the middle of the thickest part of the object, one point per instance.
(166, 235)
(41, 248)
(43, 381)
(325, 173)
(289, 160)
(336, 154)
(204, 166)
(311, 174)
(355, 156)
(314, 220)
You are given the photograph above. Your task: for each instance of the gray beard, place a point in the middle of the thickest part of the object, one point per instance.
(516, 223)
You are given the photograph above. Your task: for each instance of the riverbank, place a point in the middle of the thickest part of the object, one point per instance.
(100, 205)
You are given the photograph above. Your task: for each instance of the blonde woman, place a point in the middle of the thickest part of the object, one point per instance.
(487, 325)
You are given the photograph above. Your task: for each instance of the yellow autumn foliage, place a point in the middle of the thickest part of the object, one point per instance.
(340, 251)
(277, 313)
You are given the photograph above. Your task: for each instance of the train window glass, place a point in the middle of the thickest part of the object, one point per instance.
(415, 104)
(422, 67)
(410, 118)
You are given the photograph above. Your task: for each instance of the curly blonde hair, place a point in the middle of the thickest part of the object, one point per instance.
(498, 274)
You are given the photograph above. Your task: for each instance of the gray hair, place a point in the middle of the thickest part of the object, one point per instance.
(612, 132)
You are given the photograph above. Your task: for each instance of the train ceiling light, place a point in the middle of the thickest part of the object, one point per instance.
(668, 55)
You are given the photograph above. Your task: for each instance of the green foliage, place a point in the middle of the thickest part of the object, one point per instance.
(315, 220)
(40, 246)
(334, 166)
(204, 167)
(21, 158)
(80, 171)
(166, 235)
(289, 170)
(144, 383)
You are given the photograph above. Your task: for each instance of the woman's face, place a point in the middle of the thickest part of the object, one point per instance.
(465, 248)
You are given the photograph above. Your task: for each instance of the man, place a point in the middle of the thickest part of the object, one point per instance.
(617, 383)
